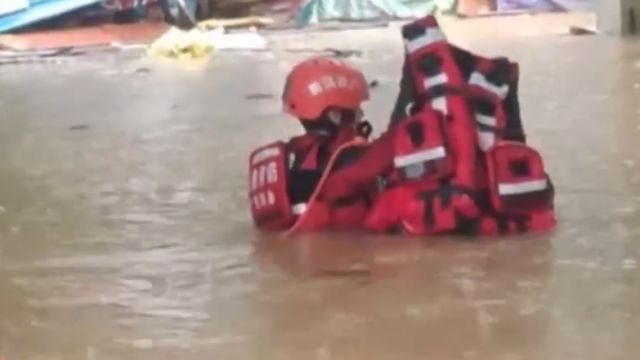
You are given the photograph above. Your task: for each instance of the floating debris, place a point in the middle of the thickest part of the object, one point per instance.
(341, 53)
(79, 127)
(630, 264)
(259, 96)
(580, 30)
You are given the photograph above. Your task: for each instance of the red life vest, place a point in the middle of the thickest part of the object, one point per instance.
(459, 160)
(488, 88)
(468, 177)
(421, 149)
(278, 203)
(439, 81)
(518, 183)
(268, 181)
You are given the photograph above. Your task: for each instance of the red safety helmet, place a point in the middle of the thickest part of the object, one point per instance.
(319, 83)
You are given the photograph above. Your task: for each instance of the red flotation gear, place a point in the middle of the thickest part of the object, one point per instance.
(518, 183)
(421, 149)
(458, 157)
(271, 207)
(285, 181)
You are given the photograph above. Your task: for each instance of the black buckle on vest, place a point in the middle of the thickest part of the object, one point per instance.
(483, 106)
(413, 31)
(445, 193)
(499, 73)
(364, 129)
(430, 64)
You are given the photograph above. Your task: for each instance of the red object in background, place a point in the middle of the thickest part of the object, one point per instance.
(285, 5)
(140, 33)
(126, 4)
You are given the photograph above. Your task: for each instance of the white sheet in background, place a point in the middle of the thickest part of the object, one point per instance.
(545, 5)
(246, 40)
(577, 5)
(11, 6)
(533, 5)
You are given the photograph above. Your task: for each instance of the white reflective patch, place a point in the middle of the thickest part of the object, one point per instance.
(262, 177)
(431, 36)
(271, 199)
(256, 202)
(439, 79)
(263, 199)
(299, 209)
(408, 108)
(522, 187)
(481, 81)
(421, 156)
(272, 173)
(329, 82)
(292, 160)
(254, 179)
(342, 82)
(440, 104)
(486, 139)
(487, 120)
(315, 88)
(265, 154)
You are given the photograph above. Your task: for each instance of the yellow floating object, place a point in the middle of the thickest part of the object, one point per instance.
(179, 44)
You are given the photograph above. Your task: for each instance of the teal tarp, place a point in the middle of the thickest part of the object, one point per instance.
(315, 11)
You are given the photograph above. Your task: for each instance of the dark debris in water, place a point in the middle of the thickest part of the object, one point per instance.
(347, 273)
(578, 31)
(259, 96)
(341, 53)
(79, 127)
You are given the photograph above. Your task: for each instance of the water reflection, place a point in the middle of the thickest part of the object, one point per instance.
(389, 298)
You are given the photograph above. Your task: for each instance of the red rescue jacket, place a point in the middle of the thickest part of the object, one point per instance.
(458, 161)
(285, 180)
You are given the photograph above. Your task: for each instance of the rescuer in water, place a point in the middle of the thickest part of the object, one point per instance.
(325, 95)
(454, 159)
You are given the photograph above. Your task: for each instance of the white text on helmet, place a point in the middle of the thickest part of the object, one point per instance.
(331, 82)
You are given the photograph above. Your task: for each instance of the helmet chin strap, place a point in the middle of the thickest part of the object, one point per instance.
(332, 122)
(335, 116)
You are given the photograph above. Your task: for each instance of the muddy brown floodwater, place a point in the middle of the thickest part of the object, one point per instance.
(124, 231)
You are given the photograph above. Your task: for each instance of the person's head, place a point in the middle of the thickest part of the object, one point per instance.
(325, 94)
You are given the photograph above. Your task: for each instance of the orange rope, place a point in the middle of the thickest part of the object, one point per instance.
(327, 171)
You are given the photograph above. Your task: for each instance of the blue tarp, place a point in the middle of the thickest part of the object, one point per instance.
(39, 10)
(315, 11)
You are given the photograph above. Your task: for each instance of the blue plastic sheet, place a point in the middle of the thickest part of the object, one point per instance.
(39, 10)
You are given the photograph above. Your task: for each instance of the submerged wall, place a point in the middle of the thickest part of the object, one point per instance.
(618, 17)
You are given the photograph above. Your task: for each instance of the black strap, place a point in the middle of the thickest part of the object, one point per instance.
(445, 194)
(464, 224)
